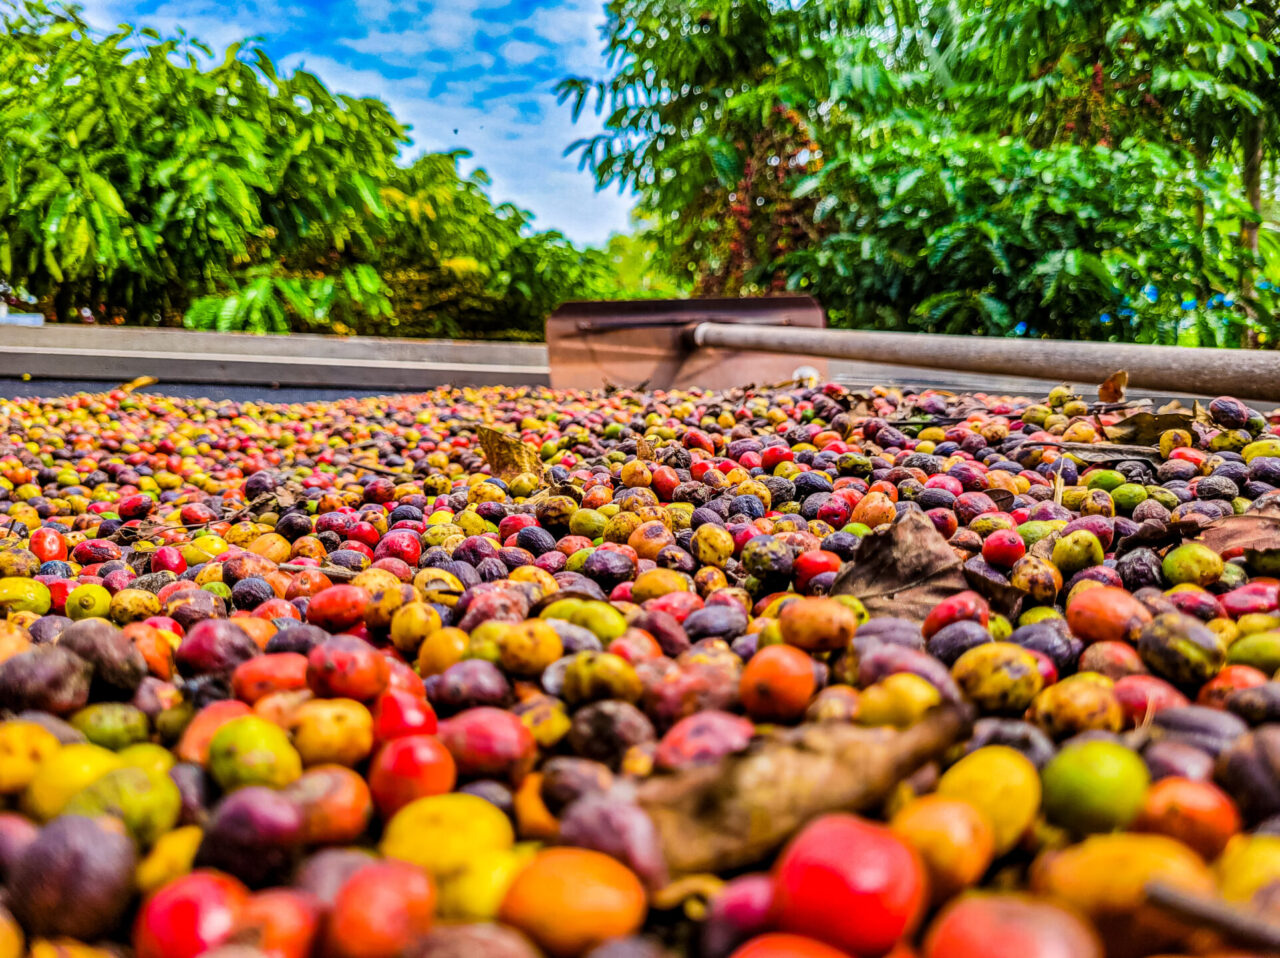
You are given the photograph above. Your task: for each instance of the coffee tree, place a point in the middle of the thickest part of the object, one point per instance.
(1016, 167)
(143, 181)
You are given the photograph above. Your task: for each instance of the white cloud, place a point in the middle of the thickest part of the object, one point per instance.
(573, 28)
(519, 52)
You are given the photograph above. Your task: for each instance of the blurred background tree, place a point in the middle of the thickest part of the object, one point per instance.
(1101, 169)
(1095, 169)
(143, 181)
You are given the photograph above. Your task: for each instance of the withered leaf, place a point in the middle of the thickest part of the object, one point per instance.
(1112, 389)
(859, 404)
(1157, 534)
(988, 582)
(1144, 428)
(1251, 531)
(644, 450)
(1003, 498)
(1043, 547)
(140, 383)
(507, 455)
(1150, 534)
(738, 810)
(1097, 452)
(287, 495)
(904, 569)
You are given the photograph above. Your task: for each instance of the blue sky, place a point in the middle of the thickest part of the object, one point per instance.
(464, 73)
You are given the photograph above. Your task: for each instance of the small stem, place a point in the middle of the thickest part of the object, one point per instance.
(333, 572)
(1242, 927)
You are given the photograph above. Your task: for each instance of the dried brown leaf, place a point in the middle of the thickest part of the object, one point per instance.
(1144, 428)
(1112, 389)
(644, 450)
(737, 811)
(286, 496)
(1250, 531)
(1043, 547)
(989, 583)
(139, 383)
(507, 456)
(1098, 452)
(903, 570)
(1003, 498)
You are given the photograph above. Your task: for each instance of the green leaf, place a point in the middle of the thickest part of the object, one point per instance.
(103, 192)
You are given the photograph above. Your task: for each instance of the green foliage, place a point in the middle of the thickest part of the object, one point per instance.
(144, 182)
(635, 271)
(134, 178)
(270, 303)
(1005, 166)
(996, 237)
(459, 266)
(699, 103)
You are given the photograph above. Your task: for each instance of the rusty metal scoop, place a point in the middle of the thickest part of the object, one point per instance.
(592, 345)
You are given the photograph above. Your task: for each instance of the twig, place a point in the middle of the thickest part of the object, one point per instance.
(384, 470)
(1245, 928)
(333, 572)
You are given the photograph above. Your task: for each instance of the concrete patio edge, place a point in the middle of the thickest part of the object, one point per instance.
(97, 353)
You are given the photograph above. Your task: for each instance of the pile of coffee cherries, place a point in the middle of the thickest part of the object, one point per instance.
(327, 680)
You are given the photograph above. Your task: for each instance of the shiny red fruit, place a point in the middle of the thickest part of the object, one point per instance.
(1003, 548)
(48, 545)
(410, 768)
(786, 946)
(812, 563)
(851, 883)
(168, 559)
(189, 916)
(397, 713)
(961, 606)
(1010, 926)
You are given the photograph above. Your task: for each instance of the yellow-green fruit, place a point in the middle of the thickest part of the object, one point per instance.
(24, 595)
(1077, 550)
(411, 624)
(171, 857)
(1001, 678)
(475, 893)
(1106, 877)
(590, 676)
(64, 773)
(1095, 787)
(149, 756)
(252, 751)
(332, 731)
(113, 725)
(1000, 782)
(148, 802)
(1192, 562)
(443, 833)
(528, 647)
(603, 619)
(1077, 704)
(132, 605)
(1248, 864)
(88, 602)
(23, 747)
(899, 700)
(712, 545)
